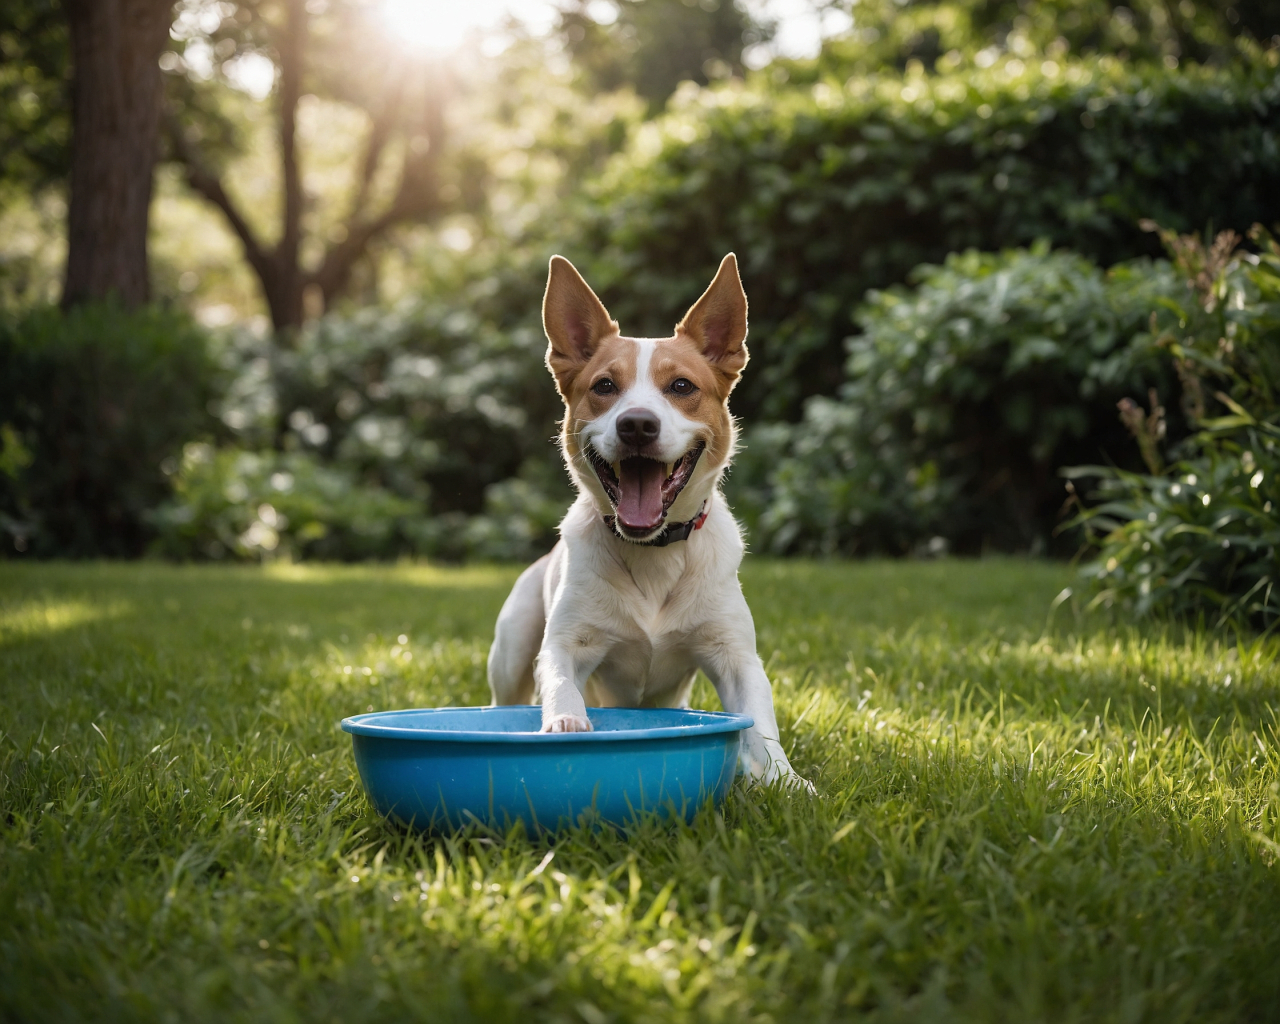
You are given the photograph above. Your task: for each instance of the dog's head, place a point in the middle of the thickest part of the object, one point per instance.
(647, 430)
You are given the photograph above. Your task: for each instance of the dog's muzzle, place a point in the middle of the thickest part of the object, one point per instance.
(643, 490)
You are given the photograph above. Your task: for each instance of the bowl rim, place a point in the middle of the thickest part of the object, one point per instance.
(710, 723)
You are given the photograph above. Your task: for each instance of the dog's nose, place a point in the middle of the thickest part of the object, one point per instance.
(638, 427)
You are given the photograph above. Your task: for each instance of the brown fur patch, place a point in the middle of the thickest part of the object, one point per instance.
(615, 358)
(681, 356)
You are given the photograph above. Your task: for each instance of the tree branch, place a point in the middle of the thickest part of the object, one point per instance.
(379, 133)
(204, 181)
(334, 271)
(417, 197)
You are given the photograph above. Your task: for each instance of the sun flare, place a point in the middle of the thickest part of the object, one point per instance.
(431, 24)
(423, 24)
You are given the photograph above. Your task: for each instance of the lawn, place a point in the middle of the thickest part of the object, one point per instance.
(1018, 816)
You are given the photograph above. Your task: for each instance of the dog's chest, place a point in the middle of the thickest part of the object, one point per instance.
(656, 594)
(651, 625)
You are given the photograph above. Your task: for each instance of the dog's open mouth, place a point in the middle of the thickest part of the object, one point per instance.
(642, 490)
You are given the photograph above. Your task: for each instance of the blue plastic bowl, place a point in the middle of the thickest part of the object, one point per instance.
(445, 767)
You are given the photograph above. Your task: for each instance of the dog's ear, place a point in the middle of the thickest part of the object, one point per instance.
(575, 321)
(718, 320)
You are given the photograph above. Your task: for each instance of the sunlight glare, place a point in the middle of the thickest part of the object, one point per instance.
(251, 73)
(431, 24)
(443, 25)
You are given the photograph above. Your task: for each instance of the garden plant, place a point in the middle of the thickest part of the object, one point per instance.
(1201, 534)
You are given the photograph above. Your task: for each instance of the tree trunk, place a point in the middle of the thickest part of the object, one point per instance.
(115, 46)
(284, 293)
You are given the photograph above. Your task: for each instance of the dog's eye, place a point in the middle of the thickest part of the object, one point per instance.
(604, 386)
(681, 386)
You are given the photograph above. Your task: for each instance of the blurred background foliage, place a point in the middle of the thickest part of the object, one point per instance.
(938, 217)
(965, 393)
(653, 47)
(826, 192)
(942, 36)
(95, 405)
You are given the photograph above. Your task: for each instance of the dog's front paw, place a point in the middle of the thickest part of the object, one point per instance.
(790, 779)
(566, 723)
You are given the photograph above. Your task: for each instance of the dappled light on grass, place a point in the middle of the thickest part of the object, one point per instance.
(41, 617)
(417, 574)
(1012, 822)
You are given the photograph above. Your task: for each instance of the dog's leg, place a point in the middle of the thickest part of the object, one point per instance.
(516, 638)
(561, 678)
(744, 688)
(570, 653)
(683, 692)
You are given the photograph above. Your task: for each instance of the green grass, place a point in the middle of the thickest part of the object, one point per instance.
(1017, 819)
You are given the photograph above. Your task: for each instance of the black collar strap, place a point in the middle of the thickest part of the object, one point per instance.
(673, 533)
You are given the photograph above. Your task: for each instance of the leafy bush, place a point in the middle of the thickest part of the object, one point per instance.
(965, 395)
(266, 504)
(829, 191)
(943, 32)
(431, 400)
(232, 503)
(1202, 535)
(435, 419)
(93, 402)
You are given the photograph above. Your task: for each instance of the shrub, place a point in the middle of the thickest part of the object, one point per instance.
(829, 191)
(231, 503)
(424, 430)
(965, 395)
(432, 401)
(93, 402)
(1201, 537)
(267, 504)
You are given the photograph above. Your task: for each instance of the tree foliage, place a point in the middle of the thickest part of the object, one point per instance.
(654, 45)
(943, 34)
(331, 51)
(35, 93)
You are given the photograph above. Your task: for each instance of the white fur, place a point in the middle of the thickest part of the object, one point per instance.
(611, 623)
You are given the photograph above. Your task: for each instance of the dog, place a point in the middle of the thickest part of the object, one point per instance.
(642, 588)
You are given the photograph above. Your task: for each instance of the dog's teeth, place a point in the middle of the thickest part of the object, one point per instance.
(617, 469)
(670, 467)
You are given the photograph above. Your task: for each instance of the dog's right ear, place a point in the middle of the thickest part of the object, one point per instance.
(575, 321)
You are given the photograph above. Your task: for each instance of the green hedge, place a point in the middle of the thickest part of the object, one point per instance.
(825, 192)
(95, 406)
(966, 394)
(435, 401)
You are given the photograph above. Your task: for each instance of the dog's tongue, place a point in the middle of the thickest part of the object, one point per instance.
(640, 495)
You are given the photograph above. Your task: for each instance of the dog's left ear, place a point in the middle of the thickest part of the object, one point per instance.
(718, 320)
